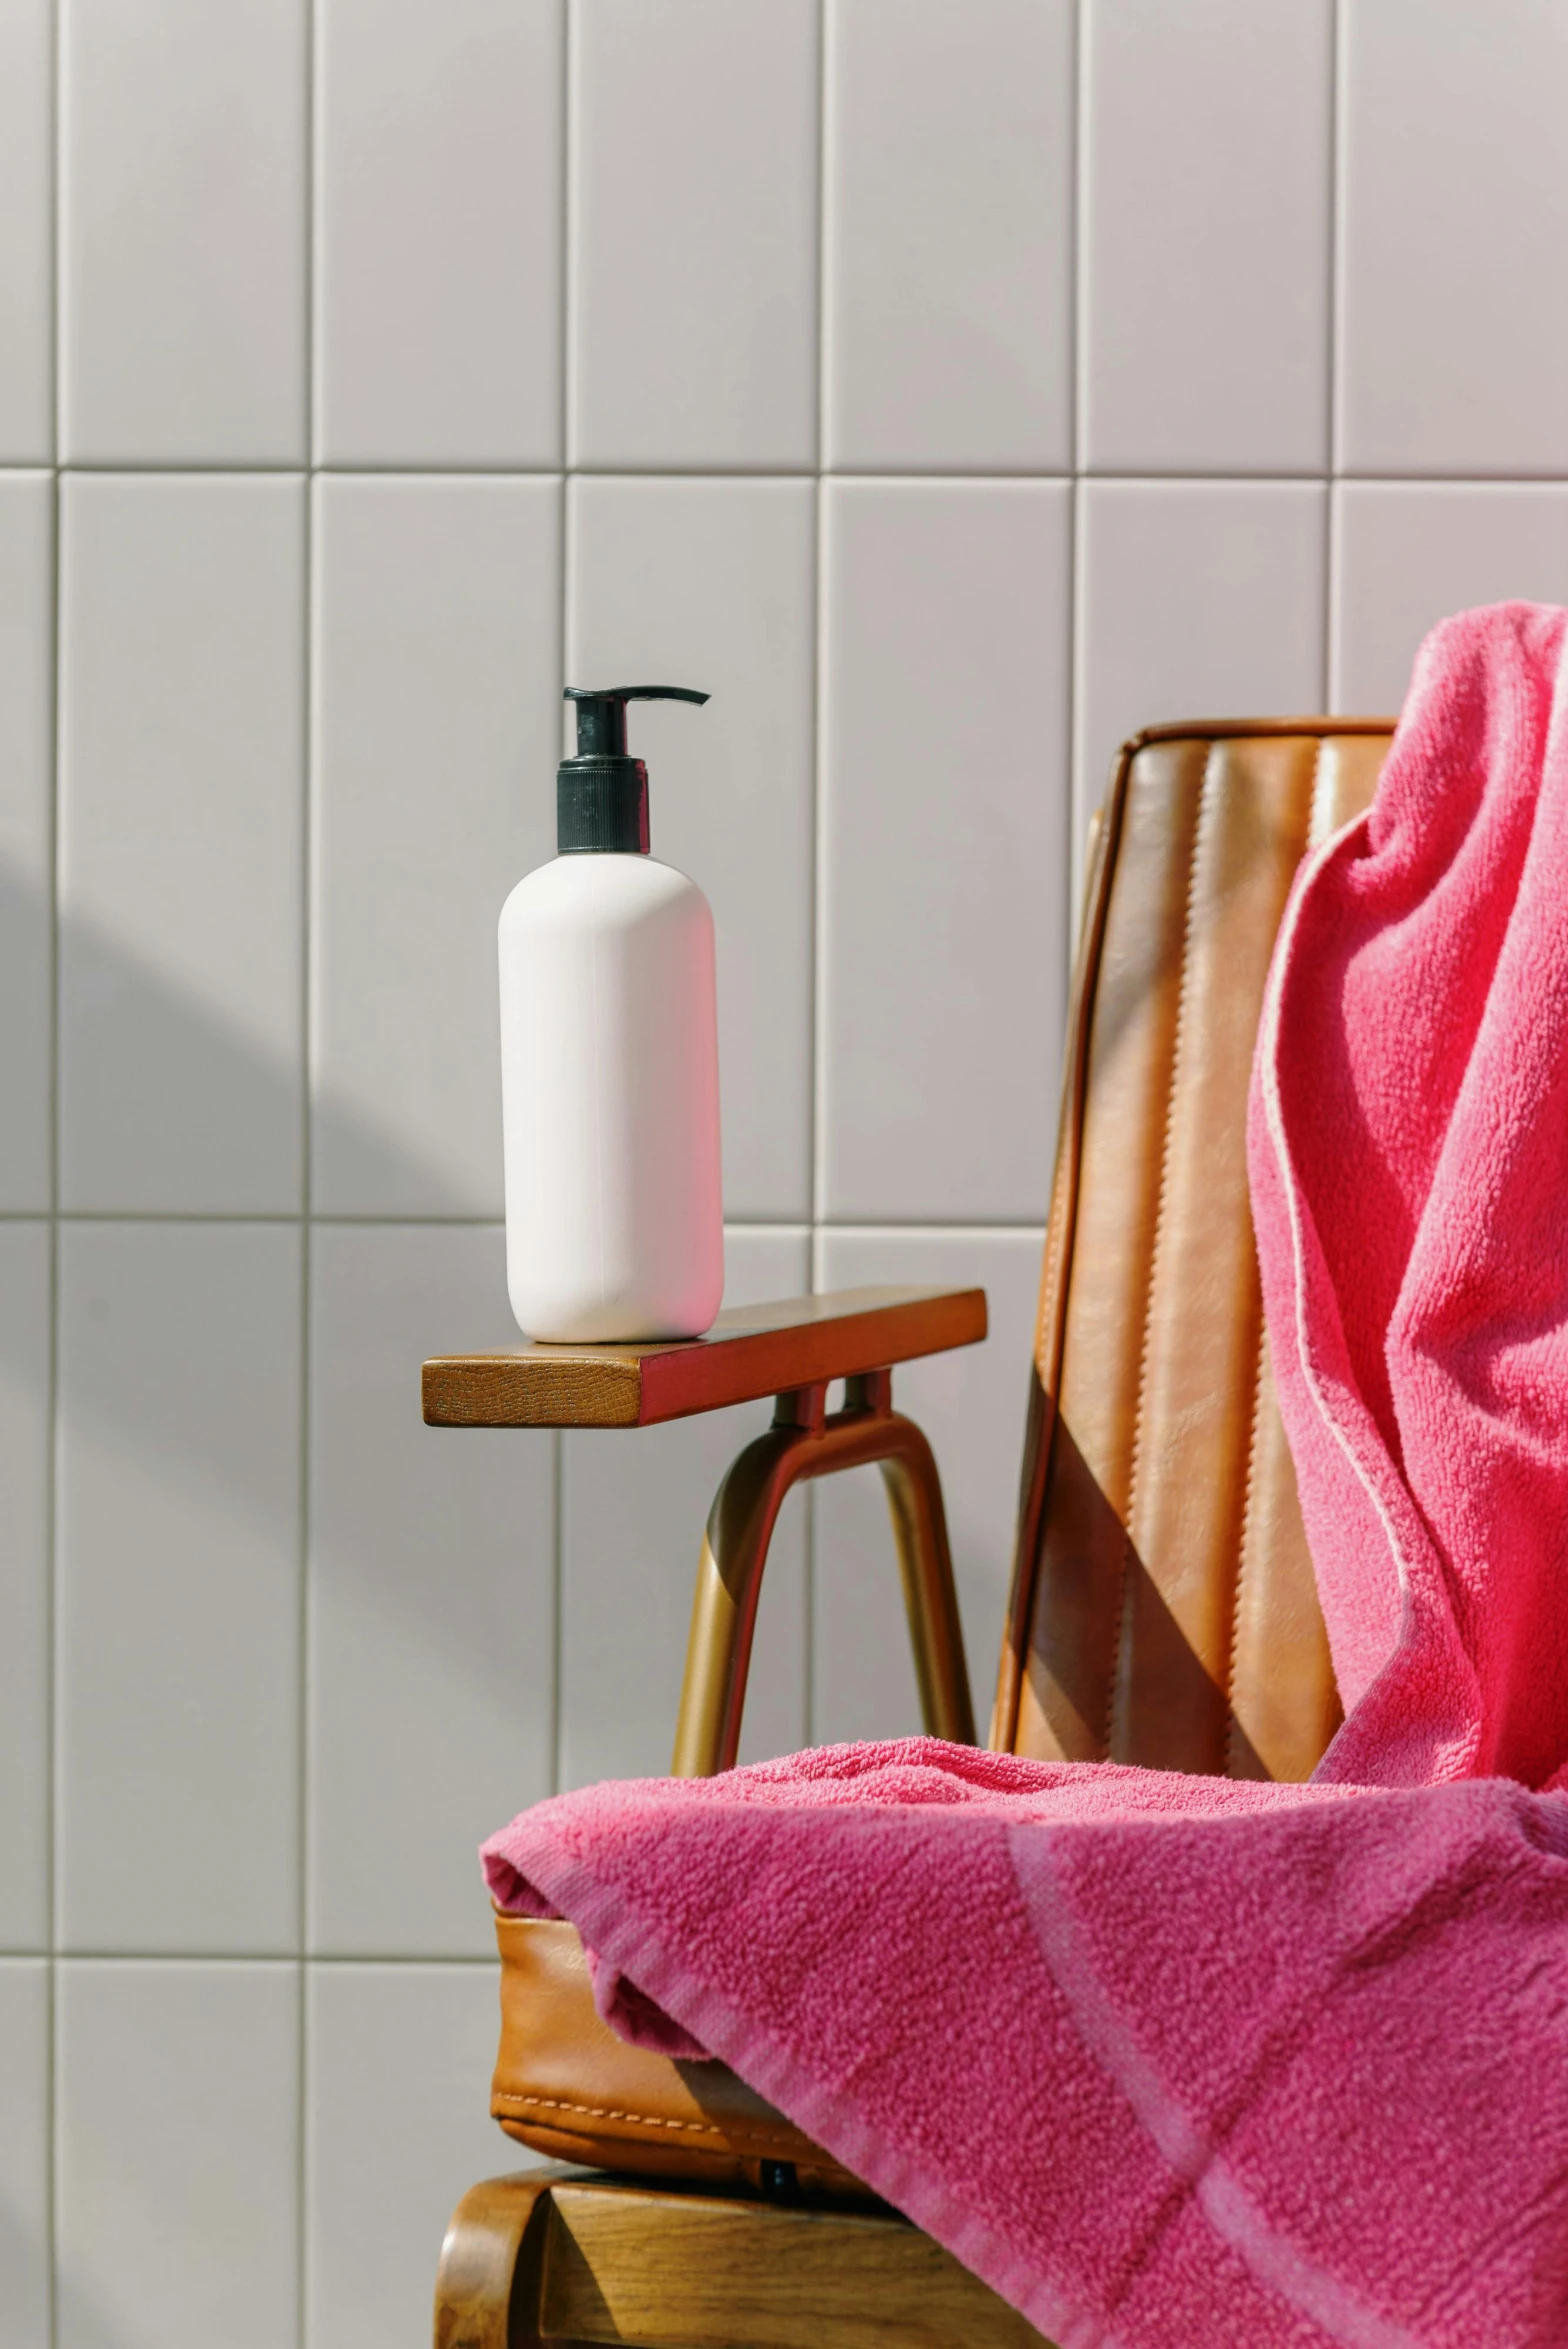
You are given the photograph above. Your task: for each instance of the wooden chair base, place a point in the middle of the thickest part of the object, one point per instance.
(564, 2256)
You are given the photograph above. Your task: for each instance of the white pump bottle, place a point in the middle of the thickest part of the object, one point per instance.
(610, 1064)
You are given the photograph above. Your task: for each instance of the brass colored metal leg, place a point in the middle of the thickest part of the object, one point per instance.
(936, 1636)
(805, 1441)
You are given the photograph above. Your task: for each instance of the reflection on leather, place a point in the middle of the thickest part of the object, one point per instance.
(1166, 1599)
(1085, 1646)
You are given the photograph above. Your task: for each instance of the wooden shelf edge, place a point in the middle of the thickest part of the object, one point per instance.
(751, 1352)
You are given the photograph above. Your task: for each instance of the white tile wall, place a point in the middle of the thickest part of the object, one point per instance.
(26, 233)
(1196, 599)
(379, 2188)
(436, 670)
(24, 1588)
(26, 728)
(944, 384)
(182, 226)
(439, 263)
(1454, 212)
(181, 807)
(177, 2103)
(432, 1597)
(945, 846)
(947, 178)
(1206, 233)
(713, 584)
(693, 143)
(177, 1588)
(1409, 553)
(25, 2280)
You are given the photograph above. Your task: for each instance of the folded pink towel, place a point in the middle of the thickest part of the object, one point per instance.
(1174, 2062)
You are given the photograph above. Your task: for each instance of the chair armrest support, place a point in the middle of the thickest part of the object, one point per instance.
(750, 1352)
(805, 1441)
(793, 1351)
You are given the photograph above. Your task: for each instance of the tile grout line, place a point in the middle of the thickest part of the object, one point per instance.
(1077, 215)
(816, 911)
(52, 1659)
(780, 1224)
(1078, 784)
(931, 476)
(819, 663)
(1078, 397)
(554, 1726)
(304, 1758)
(1332, 329)
(281, 1961)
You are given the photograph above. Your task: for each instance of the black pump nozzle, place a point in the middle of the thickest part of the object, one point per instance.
(601, 717)
(601, 795)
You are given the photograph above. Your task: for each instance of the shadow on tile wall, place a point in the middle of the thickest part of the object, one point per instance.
(481, 1614)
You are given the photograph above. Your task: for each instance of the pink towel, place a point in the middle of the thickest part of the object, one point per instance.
(1409, 1163)
(1173, 2063)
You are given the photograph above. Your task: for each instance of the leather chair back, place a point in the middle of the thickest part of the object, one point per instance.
(1163, 1607)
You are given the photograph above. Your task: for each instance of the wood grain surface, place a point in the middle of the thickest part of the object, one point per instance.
(699, 2271)
(751, 1351)
(554, 2256)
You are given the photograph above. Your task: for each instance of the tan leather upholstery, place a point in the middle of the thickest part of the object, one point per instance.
(567, 2086)
(1163, 1606)
(1164, 1609)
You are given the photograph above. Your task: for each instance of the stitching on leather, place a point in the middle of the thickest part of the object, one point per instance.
(1183, 999)
(1060, 1239)
(1232, 1726)
(1055, 1251)
(1319, 824)
(1064, 1185)
(644, 2120)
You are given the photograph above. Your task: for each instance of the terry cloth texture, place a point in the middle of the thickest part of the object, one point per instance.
(1172, 2061)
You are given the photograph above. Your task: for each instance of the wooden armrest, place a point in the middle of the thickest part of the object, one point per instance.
(751, 1351)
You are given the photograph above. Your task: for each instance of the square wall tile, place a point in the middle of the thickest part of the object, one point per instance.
(948, 247)
(24, 2154)
(24, 1586)
(182, 231)
(27, 232)
(1407, 554)
(1206, 208)
(26, 827)
(972, 1404)
(1453, 342)
(436, 732)
(713, 584)
(693, 232)
(178, 1608)
(438, 278)
(181, 826)
(635, 1504)
(944, 835)
(432, 1597)
(177, 2100)
(378, 2198)
(1195, 599)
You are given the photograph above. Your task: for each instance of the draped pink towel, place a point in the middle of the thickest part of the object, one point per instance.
(1175, 2063)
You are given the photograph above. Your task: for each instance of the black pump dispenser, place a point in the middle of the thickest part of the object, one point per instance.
(601, 795)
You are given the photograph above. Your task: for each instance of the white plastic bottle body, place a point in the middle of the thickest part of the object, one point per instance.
(610, 1102)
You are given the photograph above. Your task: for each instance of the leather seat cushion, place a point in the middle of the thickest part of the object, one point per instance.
(568, 2087)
